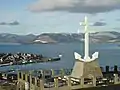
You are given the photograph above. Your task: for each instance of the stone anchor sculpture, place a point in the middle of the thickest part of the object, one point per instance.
(86, 67)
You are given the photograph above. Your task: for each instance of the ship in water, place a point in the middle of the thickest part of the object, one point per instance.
(8, 59)
(85, 75)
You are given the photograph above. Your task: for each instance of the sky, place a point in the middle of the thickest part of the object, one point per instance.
(58, 16)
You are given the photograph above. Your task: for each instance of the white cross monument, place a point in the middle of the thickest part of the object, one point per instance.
(86, 67)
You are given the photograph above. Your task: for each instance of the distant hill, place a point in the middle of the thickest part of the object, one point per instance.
(13, 38)
(98, 37)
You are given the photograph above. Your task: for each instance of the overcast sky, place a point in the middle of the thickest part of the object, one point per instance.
(41, 16)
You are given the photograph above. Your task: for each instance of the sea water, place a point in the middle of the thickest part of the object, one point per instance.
(109, 54)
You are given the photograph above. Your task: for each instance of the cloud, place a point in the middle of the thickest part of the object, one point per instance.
(102, 19)
(14, 23)
(118, 19)
(11, 23)
(77, 6)
(3, 23)
(99, 24)
(117, 28)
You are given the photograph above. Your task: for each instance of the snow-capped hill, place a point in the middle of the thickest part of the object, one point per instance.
(109, 34)
(98, 37)
(44, 39)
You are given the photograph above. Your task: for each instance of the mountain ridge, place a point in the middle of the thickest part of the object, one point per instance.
(45, 38)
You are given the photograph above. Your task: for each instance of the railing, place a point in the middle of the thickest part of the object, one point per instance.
(42, 79)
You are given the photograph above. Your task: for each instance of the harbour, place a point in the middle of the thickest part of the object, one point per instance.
(59, 45)
(108, 53)
(9, 59)
(86, 74)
